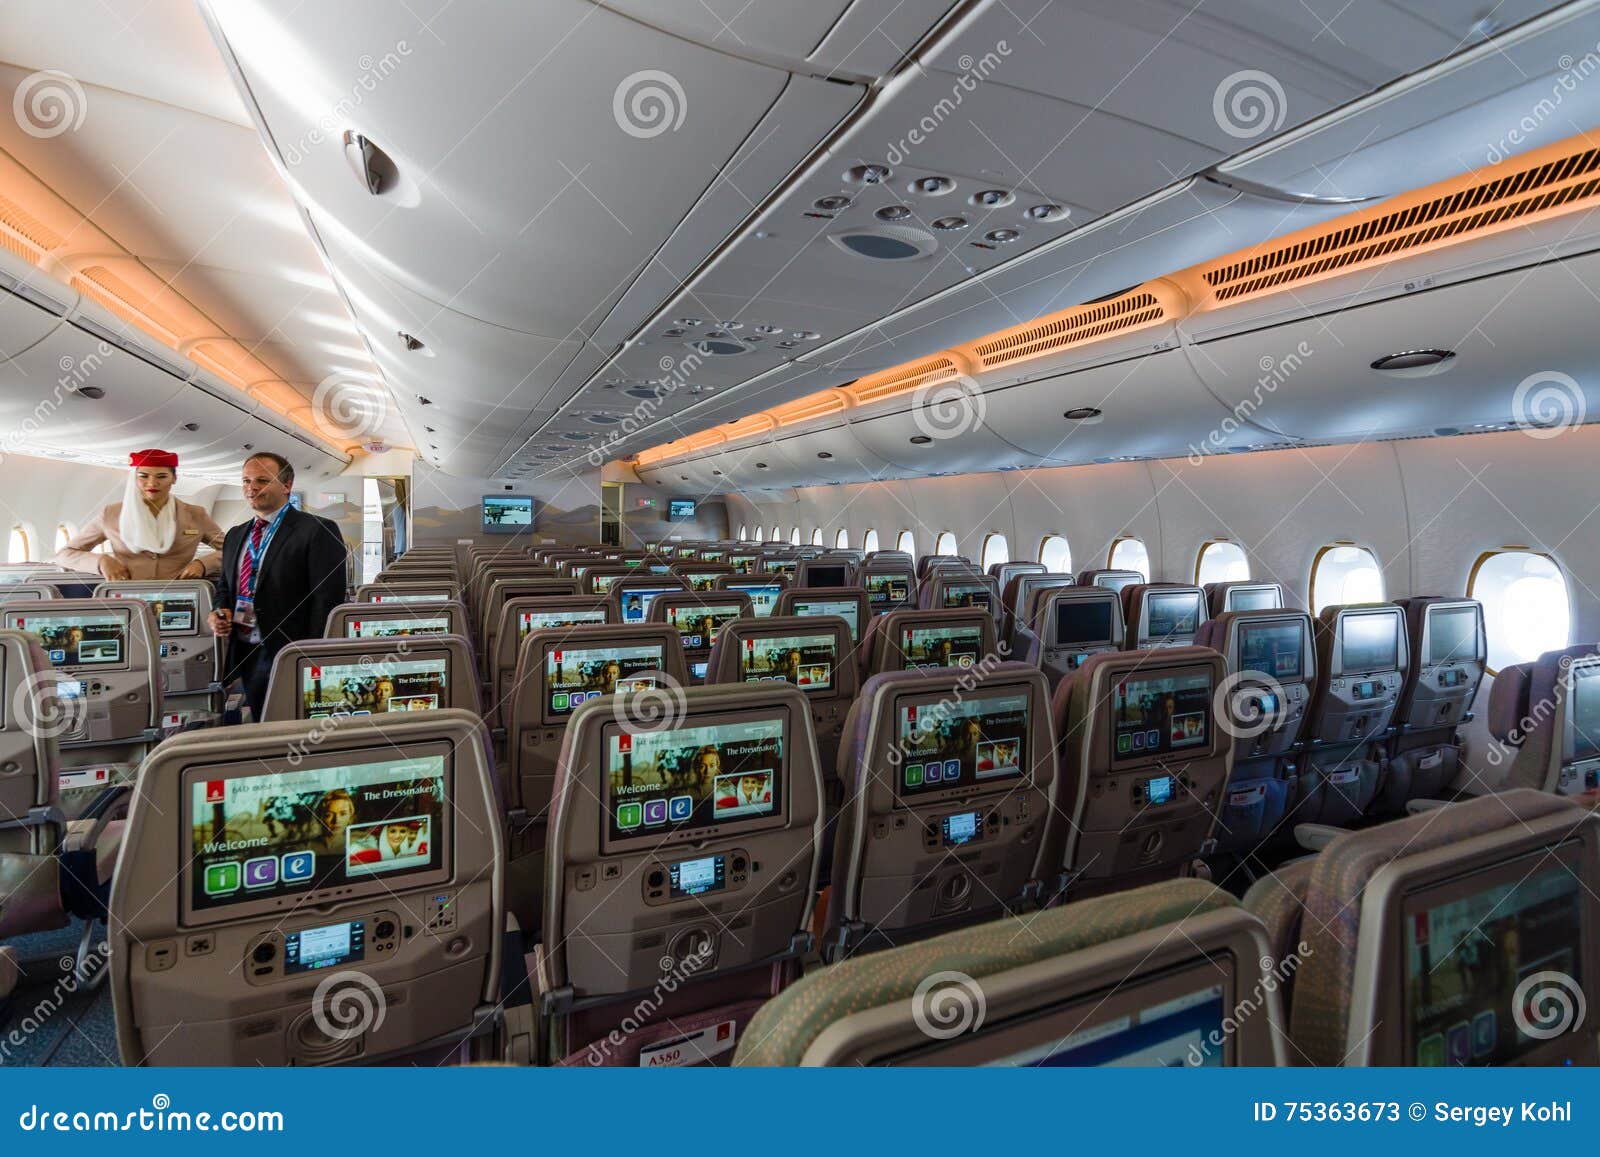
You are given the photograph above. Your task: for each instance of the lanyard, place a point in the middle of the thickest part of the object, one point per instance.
(257, 554)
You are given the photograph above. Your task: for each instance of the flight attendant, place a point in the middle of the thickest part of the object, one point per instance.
(151, 534)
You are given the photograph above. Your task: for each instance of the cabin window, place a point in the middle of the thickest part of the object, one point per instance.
(1526, 607)
(816, 536)
(907, 542)
(743, 532)
(1130, 554)
(794, 536)
(1221, 561)
(1345, 573)
(841, 541)
(777, 534)
(869, 542)
(995, 549)
(945, 543)
(18, 550)
(1055, 554)
(64, 533)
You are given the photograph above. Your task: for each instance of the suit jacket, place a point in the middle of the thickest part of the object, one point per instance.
(194, 527)
(302, 578)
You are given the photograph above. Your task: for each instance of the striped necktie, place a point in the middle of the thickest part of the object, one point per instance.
(247, 566)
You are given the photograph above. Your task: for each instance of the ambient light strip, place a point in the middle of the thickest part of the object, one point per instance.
(1555, 180)
(39, 226)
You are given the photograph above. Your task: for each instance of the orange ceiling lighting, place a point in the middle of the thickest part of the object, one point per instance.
(44, 230)
(1558, 179)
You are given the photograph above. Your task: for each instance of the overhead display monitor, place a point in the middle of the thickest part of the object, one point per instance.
(679, 509)
(507, 513)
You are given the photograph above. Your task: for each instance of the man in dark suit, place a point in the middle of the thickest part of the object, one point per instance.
(282, 572)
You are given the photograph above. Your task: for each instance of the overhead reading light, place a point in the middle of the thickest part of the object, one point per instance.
(371, 165)
(931, 186)
(1003, 236)
(93, 393)
(868, 174)
(191, 426)
(920, 439)
(1413, 360)
(893, 213)
(1082, 413)
(949, 223)
(992, 198)
(761, 465)
(823, 454)
(832, 204)
(1047, 213)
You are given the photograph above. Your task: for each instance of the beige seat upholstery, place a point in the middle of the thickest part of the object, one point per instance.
(1420, 936)
(1160, 975)
(1160, 615)
(190, 655)
(370, 862)
(1021, 598)
(943, 590)
(318, 678)
(519, 617)
(396, 620)
(1144, 763)
(1543, 739)
(950, 809)
(682, 863)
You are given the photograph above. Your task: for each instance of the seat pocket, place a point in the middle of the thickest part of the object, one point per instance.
(1422, 773)
(1346, 791)
(1251, 813)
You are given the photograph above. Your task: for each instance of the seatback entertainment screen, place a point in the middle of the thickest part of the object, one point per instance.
(372, 688)
(693, 777)
(530, 621)
(807, 661)
(390, 628)
(887, 590)
(1371, 642)
(941, 646)
(763, 596)
(1452, 634)
(846, 609)
(175, 613)
(1273, 649)
(574, 675)
(1160, 714)
(961, 743)
(1079, 622)
(90, 640)
(1173, 617)
(698, 626)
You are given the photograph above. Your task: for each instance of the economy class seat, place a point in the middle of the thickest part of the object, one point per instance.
(395, 620)
(950, 804)
(1153, 976)
(850, 603)
(1070, 624)
(320, 678)
(699, 617)
(961, 637)
(1545, 718)
(1449, 654)
(1243, 596)
(1116, 580)
(1160, 615)
(409, 592)
(1019, 605)
(891, 584)
(191, 656)
(520, 615)
(1503, 888)
(683, 853)
(336, 901)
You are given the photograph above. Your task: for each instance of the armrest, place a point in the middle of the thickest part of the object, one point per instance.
(1418, 806)
(1315, 837)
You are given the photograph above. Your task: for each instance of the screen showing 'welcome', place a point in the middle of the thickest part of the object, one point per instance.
(576, 675)
(260, 837)
(694, 777)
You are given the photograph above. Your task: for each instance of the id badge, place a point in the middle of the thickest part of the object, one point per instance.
(244, 618)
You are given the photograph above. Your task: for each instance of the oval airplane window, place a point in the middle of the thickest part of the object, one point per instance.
(17, 550)
(777, 534)
(794, 536)
(995, 549)
(816, 536)
(945, 543)
(1055, 554)
(743, 532)
(1130, 554)
(1344, 574)
(1527, 609)
(64, 535)
(869, 543)
(1221, 561)
(907, 542)
(842, 539)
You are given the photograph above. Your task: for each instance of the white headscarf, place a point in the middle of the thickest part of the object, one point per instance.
(141, 530)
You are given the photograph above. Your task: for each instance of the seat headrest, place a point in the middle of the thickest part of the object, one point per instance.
(1508, 703)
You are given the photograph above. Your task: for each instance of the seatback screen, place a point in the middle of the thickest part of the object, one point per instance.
(636, 602)
(175, 613)
(1467, 956)
(372, 688)
(712, 555)
(701, 580)
(1371, 642)
(941, 646)
(825, 576)
(807, 661)
(77, 640)
(1172, 616)
(1161, 714)
(694, 777)
(763, 596)
(261, 837)
(1171, 1034)
(530, 621)
(389, 628)
(1583, 712)
(410, 597)
(700, 625)
(741, 563)
(1116, 582)
(1452, 634)
(961, 742)
(1081, 622)
(783, 566)
(968, 595)
(574, 675)
(846, 609)
(887, 590)
(1273, 649)
(603, 583)
(1254, 599)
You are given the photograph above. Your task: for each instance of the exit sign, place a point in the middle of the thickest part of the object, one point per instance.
(648, 503)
